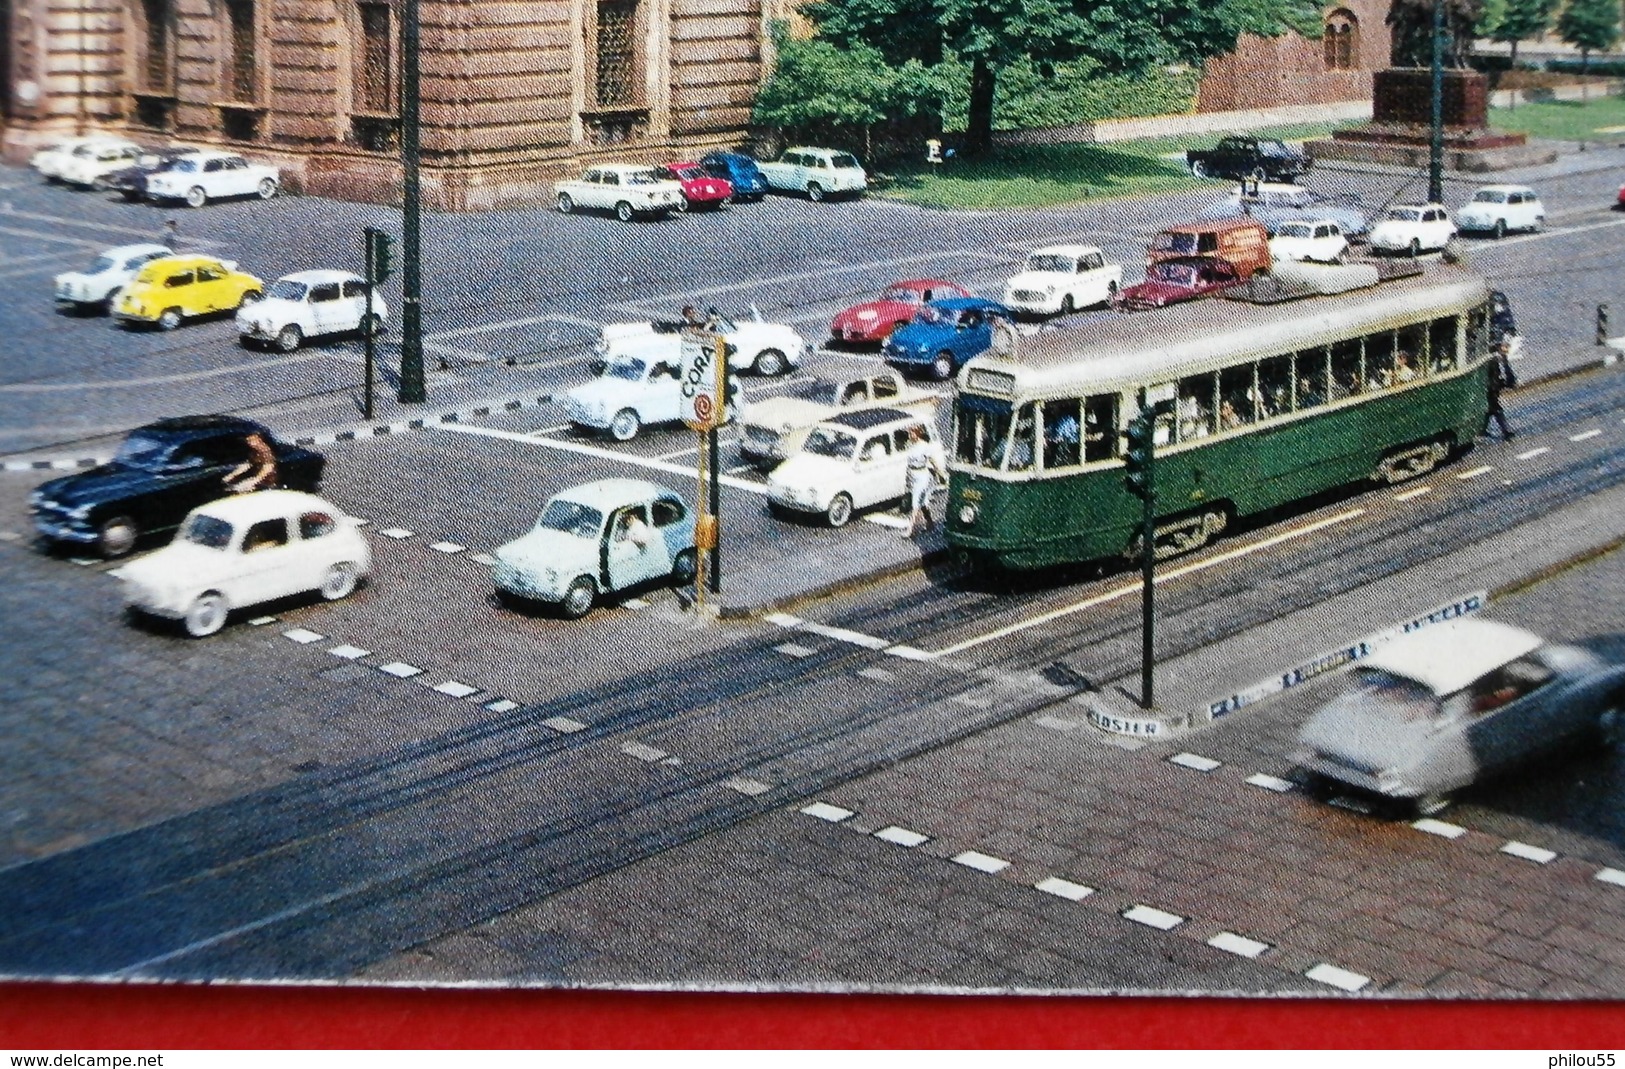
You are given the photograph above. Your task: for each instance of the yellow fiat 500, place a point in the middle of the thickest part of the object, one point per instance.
(169, 290)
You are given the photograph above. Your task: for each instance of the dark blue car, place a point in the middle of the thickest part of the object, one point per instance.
(944, 334)
(739, 169)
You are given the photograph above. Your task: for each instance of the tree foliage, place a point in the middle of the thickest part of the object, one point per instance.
(1512, 21)
(1589, 25)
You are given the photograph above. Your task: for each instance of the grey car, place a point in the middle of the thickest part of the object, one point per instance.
(1439, 709)
(1273, 203)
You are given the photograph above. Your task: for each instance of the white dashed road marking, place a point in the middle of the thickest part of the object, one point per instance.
(1072, 892)
(396, 533)
(400, 670)
(454, 689)
(1154, 918)
(1583, 435)
(1231, 943)
(1539, 855)
(447, 547)
(350, 653)
(901, 836)
(302, 636)
(1613, 876)
(1531, 454)
(1409, 494)
(792, 649)
(564, 725)
(749, 787)
(1194, 761)
(1342, 979)
(824, 811)
(643, 752)
(1474, 472)
(1270, 783)
(1439, 828)
(975, 859)
(502, 705)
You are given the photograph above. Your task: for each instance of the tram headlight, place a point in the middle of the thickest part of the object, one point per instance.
(968, 514)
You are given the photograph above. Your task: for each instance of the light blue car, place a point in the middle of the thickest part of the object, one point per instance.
(597, 539)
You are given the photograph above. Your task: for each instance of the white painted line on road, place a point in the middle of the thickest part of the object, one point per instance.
(1418, 492)
(454, 689)
(971, 701)
(84, 562)
(1240, 945)
(1531, 454)
(737, 468)
(1474, 472)
(1538, 854)
(564, 725)
(1613, 876)
(1134, 588)
(1583, 435)
(189, 241)
(1153, 917)
(824, 811)
(783, 619)
(1554, 232)
(302, 636)
(635, 603)
(1072, 892)
(750, 787)
(841, 634)
(891, 833)
(1342, 979)
(482, 558)
(1194, 761)
(793, 649)
(860, 357)
(397, 533)
(549, 430)
(508, 324)
(261, 621)
(1270, 783)
(909, 653)
(679, 453)
(350, 653)
(400, 670)
(601, 453)
(502, 705)
(1439, 828)
(975, 859)
(643, 753)
(879, 675)
(447, 547)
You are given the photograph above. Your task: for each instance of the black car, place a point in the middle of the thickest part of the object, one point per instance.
(131, 182)
(162, 472)
(1261, 158)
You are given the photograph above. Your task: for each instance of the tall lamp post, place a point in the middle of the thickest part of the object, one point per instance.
(411, 390)
(1436, 144)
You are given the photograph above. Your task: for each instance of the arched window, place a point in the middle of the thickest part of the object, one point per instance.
(1340, 40)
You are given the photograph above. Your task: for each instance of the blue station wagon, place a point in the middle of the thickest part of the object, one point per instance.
(944, 334)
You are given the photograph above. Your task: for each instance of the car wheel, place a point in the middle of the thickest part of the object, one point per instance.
(339, 582)
(1068, 306)
(266, 189)
(685, 567)
(624, 427)
(196, 197)
(170, 319)
(579, 599)
(206, 615)
(290, 338)
(112, 297)
(130, 195)
(116, 536)
(815, 192)
(623, 211)
(1416, 247)
(1111, 295)
(943, 366)
(1540, 223)
(566, 205)
(771, 362)
(249, 297)
(683, 203)
(725, 202)
(374, 325)
(1199, 169)
(1258, 174)
(839, 512)
(1499, 231)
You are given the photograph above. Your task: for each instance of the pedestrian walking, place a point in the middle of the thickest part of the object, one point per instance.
(927, 468)
(170, 236)
(1501, 377)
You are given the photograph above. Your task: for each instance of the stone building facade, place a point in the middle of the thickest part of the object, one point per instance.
(1270, 72)
(513, 93)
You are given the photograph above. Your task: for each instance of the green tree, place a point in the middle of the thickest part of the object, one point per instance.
(1589, 25)
(1513, 21)
(990, 36)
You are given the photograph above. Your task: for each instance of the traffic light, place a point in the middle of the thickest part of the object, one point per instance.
(381, 247)
(1137, 457)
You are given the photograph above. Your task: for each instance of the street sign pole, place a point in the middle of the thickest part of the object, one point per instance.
(716, 483)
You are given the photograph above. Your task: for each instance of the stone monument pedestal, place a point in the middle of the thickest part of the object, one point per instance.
(1400, 131)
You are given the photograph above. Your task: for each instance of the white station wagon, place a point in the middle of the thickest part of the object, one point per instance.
(246, 550)
(200, 177)
(96, 159)
(307, 304)
(97, 285)
(1062, 279)
(817, 172)
(852, 461)
(631, 191)
(1497, 209)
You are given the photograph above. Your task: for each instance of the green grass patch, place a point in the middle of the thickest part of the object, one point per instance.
(1564, 120)
(1038, 176)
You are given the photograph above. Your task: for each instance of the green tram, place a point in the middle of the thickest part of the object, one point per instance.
(1272, 403)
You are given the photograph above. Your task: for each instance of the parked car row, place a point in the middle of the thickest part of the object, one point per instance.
(638, 191)
(178, 173)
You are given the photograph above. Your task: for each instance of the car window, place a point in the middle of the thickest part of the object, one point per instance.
(234, 163)
(327, 291)
(183, 278)
(1394, 695)
(209, 274)
(214, 165)
(1507, 684)
(612, 178)
(575, 519)
(267, 534)
(884, 387)
(316, 525)
(825, 442)
(355, 288)
(877, 448)
(225, 449)
(842, 159)
(631, 370)
(664, 512)
(208, 531)
(854, 393)
(288, 290)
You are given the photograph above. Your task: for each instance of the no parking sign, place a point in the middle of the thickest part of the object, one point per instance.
(701, 374)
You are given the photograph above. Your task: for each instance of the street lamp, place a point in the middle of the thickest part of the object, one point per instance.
(1436, 143)
(411, 390)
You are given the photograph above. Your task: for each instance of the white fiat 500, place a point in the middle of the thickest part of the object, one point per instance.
(308, 304)
(1497, 209)
(1317, 240)
(206, 175)
(852, 461)
(1411, 228)
(629, 393)
(1062, 279)
(595, 539)
(245, 550)
(97, 285)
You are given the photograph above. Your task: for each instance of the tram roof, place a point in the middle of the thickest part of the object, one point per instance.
(1155, 346)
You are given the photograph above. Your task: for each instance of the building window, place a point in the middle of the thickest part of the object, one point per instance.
(375, 86)
(158, 19)
(240, 59)
(1340, 41)
(617, 53)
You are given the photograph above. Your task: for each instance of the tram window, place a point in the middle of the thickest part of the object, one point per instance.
(1274, 386)
(1310, 385)
(1235, 397)
(1021, 440)
(1379, 360)
(981, 429)
(1063, 423)
(1346, 372)
(1100, 427)
(1442, 344)
(1197, 396)
(1478, 334)
(1410, 359)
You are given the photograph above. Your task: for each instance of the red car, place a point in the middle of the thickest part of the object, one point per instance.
(875, 320)
(700, 190)
(1620, 204)
(1181, 279)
